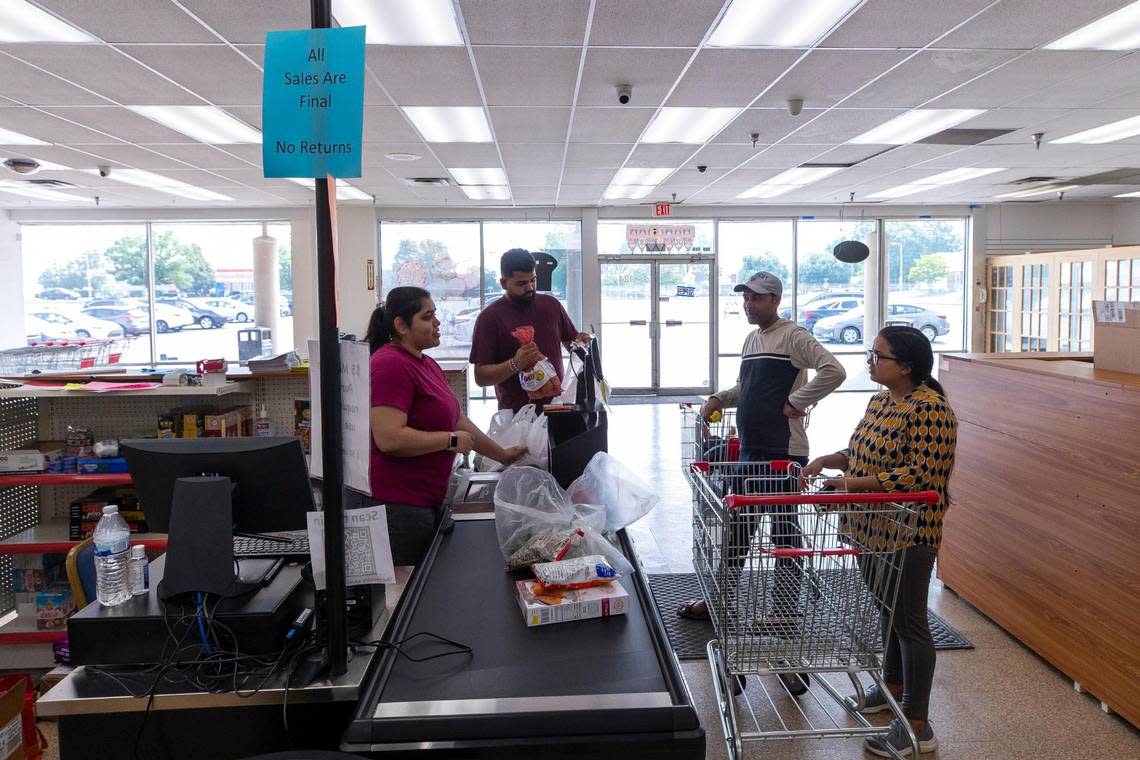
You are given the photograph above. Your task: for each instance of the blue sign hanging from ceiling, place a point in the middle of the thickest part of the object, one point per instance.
(312, 104)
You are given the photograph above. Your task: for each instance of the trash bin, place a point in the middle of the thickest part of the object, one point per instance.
(254, 342)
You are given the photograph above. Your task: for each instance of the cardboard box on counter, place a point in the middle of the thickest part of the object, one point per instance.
(594, 602)
(1116, 336)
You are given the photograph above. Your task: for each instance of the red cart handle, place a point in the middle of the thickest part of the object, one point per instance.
(832, 497)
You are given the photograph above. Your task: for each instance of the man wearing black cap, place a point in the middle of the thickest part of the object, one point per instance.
(496, 354)
(772, 396)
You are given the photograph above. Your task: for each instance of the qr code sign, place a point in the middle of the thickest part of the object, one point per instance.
(359, 559)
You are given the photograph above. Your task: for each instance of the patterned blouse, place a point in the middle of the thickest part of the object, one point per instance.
(909, 446)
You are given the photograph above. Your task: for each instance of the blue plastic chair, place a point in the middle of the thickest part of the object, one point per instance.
(81, 572)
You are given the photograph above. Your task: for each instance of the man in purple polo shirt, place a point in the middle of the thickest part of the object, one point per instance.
(496, 354)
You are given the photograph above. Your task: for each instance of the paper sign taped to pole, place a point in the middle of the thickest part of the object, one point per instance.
(355, 403)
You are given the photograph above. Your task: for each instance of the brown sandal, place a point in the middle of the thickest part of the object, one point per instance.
(688, 611)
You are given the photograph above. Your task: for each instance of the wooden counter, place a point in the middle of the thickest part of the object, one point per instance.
(1043, 533)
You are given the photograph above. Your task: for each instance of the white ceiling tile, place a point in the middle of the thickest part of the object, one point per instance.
(120, 122)
(650, 72)
(385, 124)
(652, 22)
(909, 155)
(587, 156)
(849, 154)
(534, 176)
(248, 21)
(374, 154)
(156, 22)
(725, 156)
(525, 22)
(514, 124)
(56, 154)
(533, 196)
(1113, 85)
(574, 195)
(901, 23)
(660, 154)
(722, 77)
(928, 75)
(33, 87)
(1035, 72)
(1026, 24)
(587, 176)
(827, 76)
(785, 156)
(129, 155)
(531, 155)
(462, 155)
(425, 76)
(49, 128)
(771, 124)
(839, 125)
(109, 73)
(206, 156)
(215, 72)
(528, 76)
(609, 125)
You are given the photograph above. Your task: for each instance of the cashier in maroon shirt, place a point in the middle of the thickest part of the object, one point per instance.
(416, 425)
(496, 353)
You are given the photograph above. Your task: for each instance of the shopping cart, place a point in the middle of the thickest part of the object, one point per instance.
(796, 584)
(62, 356)
(707, 441)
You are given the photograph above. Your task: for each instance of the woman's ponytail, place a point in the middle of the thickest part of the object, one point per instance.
(378, 333)
(404, 303)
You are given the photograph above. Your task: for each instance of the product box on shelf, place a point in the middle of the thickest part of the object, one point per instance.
(12, 691)
(564, 606)
(1116, 335)
(228, 423)
(303, 422)
(33, 457)
(84, 513)
(96, 465)
(53, 608)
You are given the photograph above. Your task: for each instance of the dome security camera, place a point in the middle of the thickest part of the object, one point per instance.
(23, 165)
(624, 93)
(104, 171)
(795, 106)
(702, 168)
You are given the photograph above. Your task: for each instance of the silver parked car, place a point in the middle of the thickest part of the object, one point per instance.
(848, 326)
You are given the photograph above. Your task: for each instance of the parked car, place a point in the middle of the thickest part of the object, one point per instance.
(785, 312)
(113, 303)
(826, 307)
(58, 294)
(204, 317)
(848, 327)
(40, 330)
(132, 320)
(170, 318)
(232, 309)
(84, 326)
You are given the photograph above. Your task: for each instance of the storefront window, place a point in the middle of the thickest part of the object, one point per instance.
(925, 271)
(744, 249)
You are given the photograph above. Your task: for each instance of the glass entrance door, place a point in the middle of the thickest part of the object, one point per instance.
(656, 324)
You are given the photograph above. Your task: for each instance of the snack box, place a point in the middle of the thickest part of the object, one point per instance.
(94, 465)
(562, 607)
(53, 608)
(35, 457)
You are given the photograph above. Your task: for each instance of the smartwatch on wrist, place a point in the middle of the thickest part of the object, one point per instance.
(453, 442)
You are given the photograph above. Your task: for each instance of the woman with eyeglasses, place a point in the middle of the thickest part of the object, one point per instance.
(905, 442)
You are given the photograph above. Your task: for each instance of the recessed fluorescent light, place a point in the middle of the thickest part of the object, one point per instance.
(692, 126)
(208, 124)
(485, 176)
(1127, 195)
(641, 176)
(1116, 31)
(933, 181)
(1117, 130)
(402, 156)
(8, 137)
(401, 22)
(914, 125)
(785, 23)
(486, 192)
(803, 175)
(152, 181)
(344, 191)
(444, 124)
(1045, 190)
(20, 21)
(768, 191)
(901, 190)
(627, 192)
(31, 191)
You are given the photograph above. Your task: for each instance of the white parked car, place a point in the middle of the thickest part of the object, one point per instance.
(84, 326)
(41, 330)
(231, 308)
(168, 318)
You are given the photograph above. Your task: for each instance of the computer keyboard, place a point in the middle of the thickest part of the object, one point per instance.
(297, 544)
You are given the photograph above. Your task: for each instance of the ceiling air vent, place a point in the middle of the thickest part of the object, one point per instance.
(427, 181)
(1033, 180)
(53, 184)
(965, 136)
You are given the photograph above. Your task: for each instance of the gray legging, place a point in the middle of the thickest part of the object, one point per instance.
(909, 654)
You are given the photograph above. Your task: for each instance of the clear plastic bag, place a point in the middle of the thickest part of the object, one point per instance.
(527, 428)
(625, 497)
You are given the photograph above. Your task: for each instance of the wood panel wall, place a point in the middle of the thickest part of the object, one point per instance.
(1043, 535)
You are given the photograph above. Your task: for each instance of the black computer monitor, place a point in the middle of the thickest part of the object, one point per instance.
(271, 489)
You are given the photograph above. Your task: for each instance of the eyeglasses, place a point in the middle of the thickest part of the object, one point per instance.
(874, 357)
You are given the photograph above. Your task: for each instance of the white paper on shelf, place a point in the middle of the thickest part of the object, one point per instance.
(367, 553)
(1110, 312)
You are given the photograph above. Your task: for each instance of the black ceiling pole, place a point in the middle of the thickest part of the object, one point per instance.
(329, 334)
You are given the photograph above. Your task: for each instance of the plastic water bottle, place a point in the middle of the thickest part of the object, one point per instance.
(112, 555)
(139, 570)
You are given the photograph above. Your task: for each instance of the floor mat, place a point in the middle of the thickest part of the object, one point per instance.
(689, 637)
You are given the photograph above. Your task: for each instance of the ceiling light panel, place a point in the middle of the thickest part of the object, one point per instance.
(767, 191)
(902, 190)
(1116, 31)
(8, 137)
(207, 124)
(642, 175)
(692, 126)
(935, 181)
(344, 191)
(484, 176)
(31, 191)
(1128, 195)
(486, 192)
(152, 181)
(779, 23)
(803, 175)
(401, 22)
(1037, 191)
(445, 124)
(20, 21)
(627, 192)
(914, 125)
(1117, 130)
